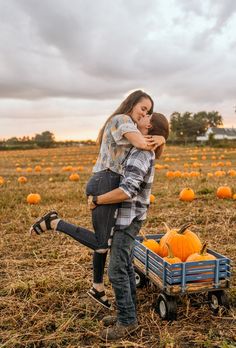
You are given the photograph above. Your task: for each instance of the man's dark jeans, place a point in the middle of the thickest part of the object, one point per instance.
(121, 272)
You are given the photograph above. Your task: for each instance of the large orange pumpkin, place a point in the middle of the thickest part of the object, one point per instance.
(182, 241)
(163, 250)
(224, 192)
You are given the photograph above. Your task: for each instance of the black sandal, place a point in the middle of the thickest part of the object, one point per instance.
(47, 218)
(100, 297)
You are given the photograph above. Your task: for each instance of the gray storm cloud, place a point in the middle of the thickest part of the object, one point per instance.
(99, 50)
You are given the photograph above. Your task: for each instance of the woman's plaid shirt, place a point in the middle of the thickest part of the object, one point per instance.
(137, 182)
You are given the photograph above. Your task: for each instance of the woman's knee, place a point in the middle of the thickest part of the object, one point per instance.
(101, 251)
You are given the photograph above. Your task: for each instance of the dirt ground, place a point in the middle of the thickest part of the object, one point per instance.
(44, 279)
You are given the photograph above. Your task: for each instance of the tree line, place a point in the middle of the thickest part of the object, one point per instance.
(184, 128)
(187, 126)
(45, 139)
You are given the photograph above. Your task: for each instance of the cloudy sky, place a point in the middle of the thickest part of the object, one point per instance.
(65, 65)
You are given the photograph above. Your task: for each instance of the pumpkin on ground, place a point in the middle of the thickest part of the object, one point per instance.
(224, 192)
(74, 177)
(33, 198)
(22, 179)
(187, 195)
(38, 169)
(182, 241)
(152, 198)
(170, 258)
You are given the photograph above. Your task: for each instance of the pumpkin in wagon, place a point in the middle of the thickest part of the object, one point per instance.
(203, 255)
(151, 244)
(170, 258)
(182, 241)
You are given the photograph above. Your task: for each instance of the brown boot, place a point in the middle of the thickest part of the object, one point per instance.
(109, 320)
(118, 331)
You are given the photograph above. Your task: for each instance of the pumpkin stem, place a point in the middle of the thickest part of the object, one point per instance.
(203, 250)
(143, 235)
(184, 227)
(166, 226)
(170, 251)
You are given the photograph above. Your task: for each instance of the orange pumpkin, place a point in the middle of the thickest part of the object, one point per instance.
(22, 179)
(33, 198)
(1, 180)
(74, 177)
(163, 250)
(187, 195)
(151, 244)
(224, 192)
(202, 255)
(152, 198)
(170, 258)
(232, 172)
(182, 241)
(38, 169)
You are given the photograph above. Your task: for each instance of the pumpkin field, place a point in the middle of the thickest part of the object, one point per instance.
(44, 279)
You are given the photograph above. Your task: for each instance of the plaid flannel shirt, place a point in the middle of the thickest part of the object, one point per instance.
(136, 183)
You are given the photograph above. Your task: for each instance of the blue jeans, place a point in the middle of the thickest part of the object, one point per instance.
(121, 272)
(103, 217)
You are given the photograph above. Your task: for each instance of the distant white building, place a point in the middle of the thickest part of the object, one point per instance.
(219, 134)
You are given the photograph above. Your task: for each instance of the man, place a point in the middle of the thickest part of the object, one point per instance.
(133, 193)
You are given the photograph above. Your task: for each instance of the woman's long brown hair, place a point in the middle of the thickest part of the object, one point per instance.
(125, 108)
(160, 126)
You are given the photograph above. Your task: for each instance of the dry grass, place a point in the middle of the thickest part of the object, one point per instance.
(44, 279)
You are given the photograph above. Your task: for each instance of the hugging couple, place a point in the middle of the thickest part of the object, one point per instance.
(118, 195)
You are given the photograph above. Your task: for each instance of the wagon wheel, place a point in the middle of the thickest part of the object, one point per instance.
(140, 279)
(216, 299)
(166, 307)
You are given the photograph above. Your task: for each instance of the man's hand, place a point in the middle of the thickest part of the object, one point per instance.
(90, 203)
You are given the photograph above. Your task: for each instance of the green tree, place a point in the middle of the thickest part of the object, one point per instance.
(188, 126)
(45, 139)
(214, 119)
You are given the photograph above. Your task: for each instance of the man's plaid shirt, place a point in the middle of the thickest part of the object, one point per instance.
(136, 183)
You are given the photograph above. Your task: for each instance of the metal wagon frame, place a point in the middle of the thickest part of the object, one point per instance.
(181, 278)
